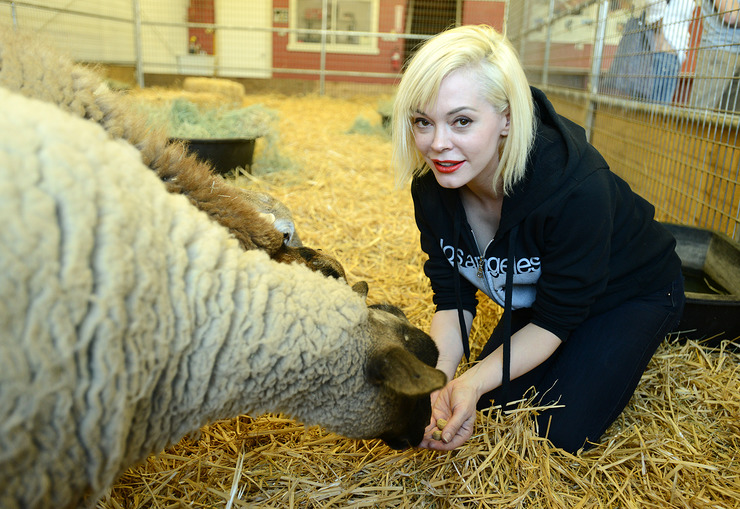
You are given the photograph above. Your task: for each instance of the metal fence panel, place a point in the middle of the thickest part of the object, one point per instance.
(665, 119)
(678, 150)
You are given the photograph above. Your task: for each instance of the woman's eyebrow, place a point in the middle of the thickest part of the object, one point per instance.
(453, 111)
(461, 108)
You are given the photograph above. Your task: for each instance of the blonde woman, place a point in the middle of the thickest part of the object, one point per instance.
(510, 199)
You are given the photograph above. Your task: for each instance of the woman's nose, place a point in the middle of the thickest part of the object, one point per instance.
(441, 140)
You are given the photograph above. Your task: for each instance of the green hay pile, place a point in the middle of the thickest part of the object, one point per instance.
(184, 119)
(269, 159)
(385, 106)
(365, 127)
(362, 125)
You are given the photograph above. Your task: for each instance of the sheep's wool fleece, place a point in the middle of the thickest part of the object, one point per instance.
(125, 314)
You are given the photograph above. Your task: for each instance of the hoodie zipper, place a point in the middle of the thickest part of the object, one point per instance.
(481, 256)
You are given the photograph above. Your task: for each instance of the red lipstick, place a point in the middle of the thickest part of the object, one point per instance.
(447, 166)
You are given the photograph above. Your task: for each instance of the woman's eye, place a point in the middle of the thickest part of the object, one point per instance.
(421, 122)
(463, 121)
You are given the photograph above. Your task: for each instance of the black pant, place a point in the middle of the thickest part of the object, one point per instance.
(596, 370)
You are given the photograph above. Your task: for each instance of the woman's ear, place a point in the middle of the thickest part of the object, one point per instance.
(505, 130)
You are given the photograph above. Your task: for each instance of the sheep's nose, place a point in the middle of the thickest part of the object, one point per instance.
(399, 443)
(410, 438)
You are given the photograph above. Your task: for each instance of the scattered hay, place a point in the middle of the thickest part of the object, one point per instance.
(676, 445)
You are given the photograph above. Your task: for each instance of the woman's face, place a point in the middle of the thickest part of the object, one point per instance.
(459, 135)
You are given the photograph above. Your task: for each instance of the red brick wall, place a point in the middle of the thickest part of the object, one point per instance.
(202, 11)
(473, 12)
(489, 13)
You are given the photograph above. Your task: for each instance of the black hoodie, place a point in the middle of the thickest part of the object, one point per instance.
(583, 241)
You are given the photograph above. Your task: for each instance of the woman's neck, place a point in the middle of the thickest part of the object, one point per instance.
(483, 196)
(483, 211)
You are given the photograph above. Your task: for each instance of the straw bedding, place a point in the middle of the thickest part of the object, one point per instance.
(676, 445)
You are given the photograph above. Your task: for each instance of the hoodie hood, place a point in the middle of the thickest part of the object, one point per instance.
(561, 157)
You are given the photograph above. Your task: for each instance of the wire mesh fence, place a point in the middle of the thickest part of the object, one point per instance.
(653, 82)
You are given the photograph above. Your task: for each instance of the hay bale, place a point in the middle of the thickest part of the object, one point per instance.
(231, 91)
(160, 96)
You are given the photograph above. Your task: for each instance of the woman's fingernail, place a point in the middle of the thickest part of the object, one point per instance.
(446, 438)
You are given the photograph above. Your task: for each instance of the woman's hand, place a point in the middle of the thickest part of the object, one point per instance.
(456, 402)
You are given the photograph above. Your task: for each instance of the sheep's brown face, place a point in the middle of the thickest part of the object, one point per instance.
(405, 375)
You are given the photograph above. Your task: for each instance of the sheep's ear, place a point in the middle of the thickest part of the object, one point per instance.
(361, 288)
(400, 371)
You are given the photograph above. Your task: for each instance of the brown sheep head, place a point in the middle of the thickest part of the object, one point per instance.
(403, 370)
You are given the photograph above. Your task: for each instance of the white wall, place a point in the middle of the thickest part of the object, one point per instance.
(239, 52)
(161, 45)
(83, 28)
(103, 31)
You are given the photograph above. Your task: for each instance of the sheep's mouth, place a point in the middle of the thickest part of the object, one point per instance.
(400, 443)
(412, 433)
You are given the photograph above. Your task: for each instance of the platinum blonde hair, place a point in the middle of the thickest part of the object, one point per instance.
(494, 61)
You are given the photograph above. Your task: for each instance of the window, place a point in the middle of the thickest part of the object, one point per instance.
(342, 16)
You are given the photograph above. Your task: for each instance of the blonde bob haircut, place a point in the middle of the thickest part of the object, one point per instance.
(494, 61)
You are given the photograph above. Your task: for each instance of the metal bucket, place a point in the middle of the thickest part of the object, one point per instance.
(223, 154)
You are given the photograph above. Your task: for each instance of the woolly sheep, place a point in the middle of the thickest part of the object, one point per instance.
(25, 61)
(128, 318)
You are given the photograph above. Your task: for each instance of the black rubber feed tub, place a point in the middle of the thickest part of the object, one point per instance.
(224, 154)
(710, 263)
